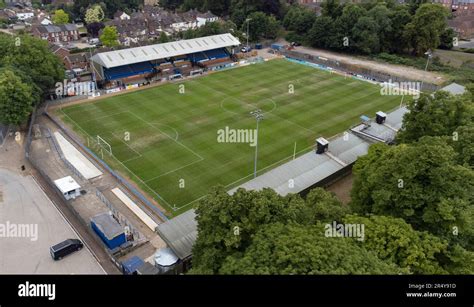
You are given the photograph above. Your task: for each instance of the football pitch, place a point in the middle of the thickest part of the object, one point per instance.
(165, 138)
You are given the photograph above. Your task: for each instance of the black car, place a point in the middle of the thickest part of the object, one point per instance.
(295, 44)
(65, 248)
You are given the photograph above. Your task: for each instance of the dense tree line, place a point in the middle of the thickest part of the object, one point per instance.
(28, 70)
(371, 28)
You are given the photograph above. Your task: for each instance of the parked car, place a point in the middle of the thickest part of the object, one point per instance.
(295, 44)
(65, 248)
(246, 49)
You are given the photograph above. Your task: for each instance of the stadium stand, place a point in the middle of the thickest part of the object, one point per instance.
(163, 60)
(128, 70)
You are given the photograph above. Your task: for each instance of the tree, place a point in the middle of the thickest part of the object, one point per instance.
(94, 28)
(171, 4)
(366, 39)
(109, 36)
(210, 28)
(331, 8)
(413, 5)
(94, 14)
(192, 4)
(420, 183)
(163, 38)
(16, 99)
(425, 30)
(447, 39)
(32, 56)
(296, 249)
(261, 26)
(463, 143)
(299, 20)
(399, 17)
(321, 33)
(227, 223)
(238, 17)
(323, 206)
(435, 115)
(60, 17)
(381, 15)
(218, 7)
(393, 240)
(221, 216)
(344, 25)
(110, 7)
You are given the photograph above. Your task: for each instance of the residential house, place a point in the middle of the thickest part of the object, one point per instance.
(56, 33)
(148, 24)
(24, 14)
(8, 14)
(457, 6)
(203, 18)
(463, 25)
(121, 15)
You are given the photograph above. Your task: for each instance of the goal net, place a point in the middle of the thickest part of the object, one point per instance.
(104, 145)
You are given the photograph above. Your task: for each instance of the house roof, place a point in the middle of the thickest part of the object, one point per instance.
(56, 28)
(454, 89)
(163, 51)
(206, 15)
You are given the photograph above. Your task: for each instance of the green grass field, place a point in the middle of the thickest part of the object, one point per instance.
(173, 136)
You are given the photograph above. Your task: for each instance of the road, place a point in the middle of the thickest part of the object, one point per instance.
(23, 203)
(23, 200)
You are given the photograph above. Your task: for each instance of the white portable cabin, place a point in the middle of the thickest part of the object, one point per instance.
(68, 187)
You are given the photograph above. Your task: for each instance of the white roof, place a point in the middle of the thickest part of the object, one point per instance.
(162, 51)
(454, 89)
(66, 184)
(322, 141)
(165, 257)
(380, 113)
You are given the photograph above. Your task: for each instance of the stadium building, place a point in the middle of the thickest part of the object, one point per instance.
(142, 65)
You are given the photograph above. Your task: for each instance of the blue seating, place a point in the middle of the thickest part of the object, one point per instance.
(128, 70)
(196, 57)
(216, 54)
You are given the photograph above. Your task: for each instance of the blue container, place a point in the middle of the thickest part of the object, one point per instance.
(258, 46)
(108, 230)
(130, 266)
(276, 46)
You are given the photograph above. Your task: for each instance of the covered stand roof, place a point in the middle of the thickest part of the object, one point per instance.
(162, 51)
(180, 233)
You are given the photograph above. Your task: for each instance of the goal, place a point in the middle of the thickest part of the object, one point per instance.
(104, 144)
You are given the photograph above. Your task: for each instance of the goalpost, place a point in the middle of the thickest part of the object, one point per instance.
(104, 144)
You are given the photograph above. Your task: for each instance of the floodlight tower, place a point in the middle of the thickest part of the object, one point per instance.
(258, 116)
(248, 22)
(429, 55)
